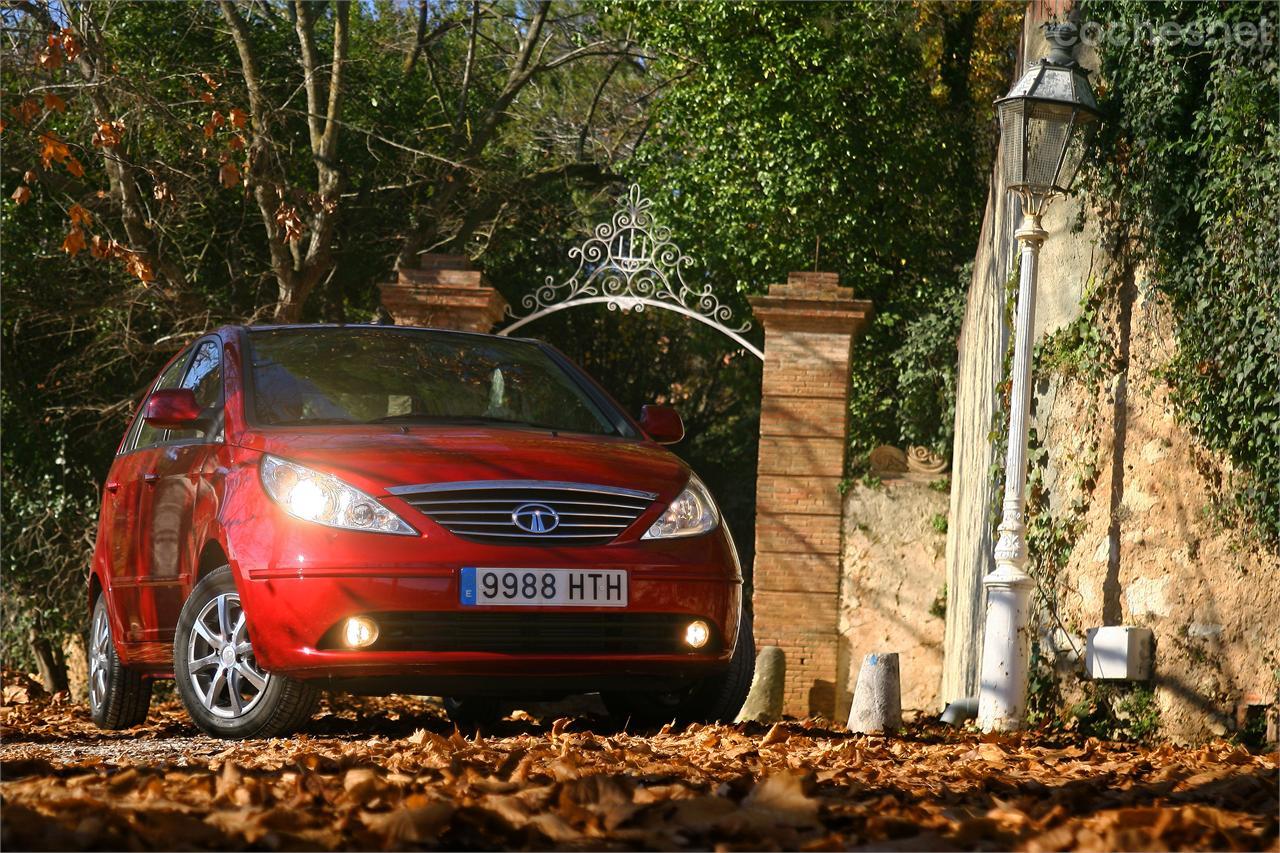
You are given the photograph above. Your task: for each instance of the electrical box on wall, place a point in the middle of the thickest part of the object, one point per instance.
(1119, 653)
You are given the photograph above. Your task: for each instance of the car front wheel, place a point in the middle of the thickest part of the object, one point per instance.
(224, 690)
(118, 697)
(717, 698)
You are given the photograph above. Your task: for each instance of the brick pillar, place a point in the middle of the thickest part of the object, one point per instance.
(444, 292)
(810, 324)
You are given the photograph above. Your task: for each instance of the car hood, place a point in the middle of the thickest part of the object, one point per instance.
(380, 457)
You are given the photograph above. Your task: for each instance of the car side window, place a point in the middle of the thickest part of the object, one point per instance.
(204, 378)
(148, 435)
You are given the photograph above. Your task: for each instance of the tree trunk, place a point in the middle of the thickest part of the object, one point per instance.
(53, 671)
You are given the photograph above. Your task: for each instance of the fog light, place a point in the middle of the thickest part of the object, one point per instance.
(697, 634)
(360, 631)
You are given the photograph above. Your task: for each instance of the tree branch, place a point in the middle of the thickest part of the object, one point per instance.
(468, 65)
(259, 178)
(305, 16)
(121, 175)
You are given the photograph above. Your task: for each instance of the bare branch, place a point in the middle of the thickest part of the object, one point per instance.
(260, 126)
(423, 40)
(469, 64)
(595, 102)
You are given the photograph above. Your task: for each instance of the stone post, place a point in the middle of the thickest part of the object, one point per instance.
(810, 324)
(444, 292)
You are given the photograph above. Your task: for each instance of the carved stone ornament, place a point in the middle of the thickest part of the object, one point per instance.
(922, 460)
(887, 459)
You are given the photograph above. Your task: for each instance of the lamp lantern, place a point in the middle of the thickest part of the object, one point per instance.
(1046, 121)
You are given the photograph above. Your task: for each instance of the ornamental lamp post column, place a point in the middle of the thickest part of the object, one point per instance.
(1045, 123)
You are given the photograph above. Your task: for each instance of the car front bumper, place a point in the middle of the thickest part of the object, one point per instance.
(298, 582)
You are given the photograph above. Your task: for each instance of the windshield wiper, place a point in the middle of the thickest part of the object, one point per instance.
(320, 421)
(421, 417)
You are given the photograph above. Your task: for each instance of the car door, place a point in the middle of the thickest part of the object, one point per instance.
(125, 524)
(171, 486)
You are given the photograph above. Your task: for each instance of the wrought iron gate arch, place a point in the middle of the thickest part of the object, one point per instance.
(629, 263)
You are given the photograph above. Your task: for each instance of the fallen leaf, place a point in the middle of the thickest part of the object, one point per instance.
(411, 822)
(781, 799)
(777, 734)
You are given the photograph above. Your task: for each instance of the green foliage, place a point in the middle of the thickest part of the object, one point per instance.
(847, 137)
(1118, 712)
(926, 368)
(1079, 351)
(1105, 710)
(1188, 167)
(938, 607)
(938, 521)
(1044, 696)
(1254, 732)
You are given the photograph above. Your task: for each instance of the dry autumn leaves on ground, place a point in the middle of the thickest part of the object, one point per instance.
(393, 773)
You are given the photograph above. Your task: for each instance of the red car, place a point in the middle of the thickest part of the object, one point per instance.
(383, 509)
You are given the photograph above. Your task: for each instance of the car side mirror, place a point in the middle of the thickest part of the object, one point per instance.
(174, 408)
(662, 423)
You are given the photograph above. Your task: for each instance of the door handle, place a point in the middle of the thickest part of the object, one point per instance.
(151, 478)
(113, 487)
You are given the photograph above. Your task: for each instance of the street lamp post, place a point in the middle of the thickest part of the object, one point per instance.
(1045, 121)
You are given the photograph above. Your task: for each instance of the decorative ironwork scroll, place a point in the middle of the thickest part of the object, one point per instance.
(630, 263)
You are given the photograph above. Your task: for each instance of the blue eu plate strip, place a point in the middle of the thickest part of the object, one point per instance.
(467, 586)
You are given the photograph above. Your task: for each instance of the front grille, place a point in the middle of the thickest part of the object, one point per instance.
(530, 633)
(486, 511)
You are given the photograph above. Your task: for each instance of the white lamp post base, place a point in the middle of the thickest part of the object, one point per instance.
(1006, 650)
(1006, 644)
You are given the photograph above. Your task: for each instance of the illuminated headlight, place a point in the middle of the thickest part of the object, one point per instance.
(697, 634)
(324, 499)
(359, 631)
(691, 513)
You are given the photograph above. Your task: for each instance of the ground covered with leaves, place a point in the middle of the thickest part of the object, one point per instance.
(394, 773)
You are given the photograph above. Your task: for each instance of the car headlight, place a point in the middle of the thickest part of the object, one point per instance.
(691, 513)
(324, 499)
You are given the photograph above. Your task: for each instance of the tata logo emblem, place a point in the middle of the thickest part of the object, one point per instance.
(535, 518)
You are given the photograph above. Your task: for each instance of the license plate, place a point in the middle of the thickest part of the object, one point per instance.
(543, 587)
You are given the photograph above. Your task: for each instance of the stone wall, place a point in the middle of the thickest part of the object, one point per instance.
(892, 585)
(1134, 493)
(1124, 484)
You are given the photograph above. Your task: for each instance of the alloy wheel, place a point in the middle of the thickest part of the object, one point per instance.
(220, 660)
(99, 650)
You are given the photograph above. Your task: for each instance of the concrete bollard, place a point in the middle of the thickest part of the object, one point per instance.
(877, 699)
(764, 701)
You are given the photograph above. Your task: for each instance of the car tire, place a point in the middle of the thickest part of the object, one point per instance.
(469, 711)
(119, 697)
(225, 692)
(716, 698)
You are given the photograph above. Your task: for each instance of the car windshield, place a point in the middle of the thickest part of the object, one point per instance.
(376, 375)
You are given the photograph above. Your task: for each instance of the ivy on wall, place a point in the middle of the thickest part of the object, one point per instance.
(1187, 175)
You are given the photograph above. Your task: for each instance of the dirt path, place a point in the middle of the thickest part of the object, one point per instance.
(374, 774)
